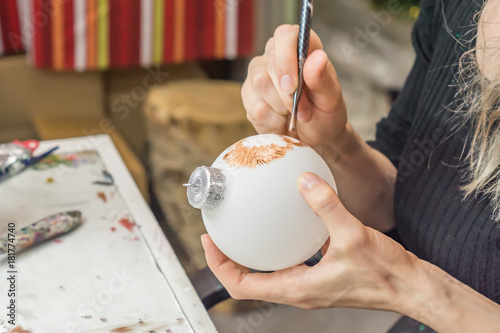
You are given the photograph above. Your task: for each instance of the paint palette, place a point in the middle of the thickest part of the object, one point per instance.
(261, 220)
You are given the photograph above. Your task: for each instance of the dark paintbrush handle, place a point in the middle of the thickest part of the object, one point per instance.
(302, 52)
(305, 28)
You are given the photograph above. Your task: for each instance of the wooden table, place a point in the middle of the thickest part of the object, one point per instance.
(115, 273)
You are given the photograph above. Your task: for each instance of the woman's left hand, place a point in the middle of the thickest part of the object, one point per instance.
(361, 267)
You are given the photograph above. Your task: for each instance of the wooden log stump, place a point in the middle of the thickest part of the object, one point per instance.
(189, 123)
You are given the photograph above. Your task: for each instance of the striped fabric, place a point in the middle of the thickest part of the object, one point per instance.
(99, 34)
(11, 37)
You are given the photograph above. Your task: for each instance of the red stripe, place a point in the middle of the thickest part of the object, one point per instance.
(37, 36)
(168, 37)
(206, 35)
(46, 31)
(124, 32)
(191, 30)
(117, 37)
(11, 31)
(4, 24)
(43, 33)
(245, 27)
(69, 35)
(135, 33)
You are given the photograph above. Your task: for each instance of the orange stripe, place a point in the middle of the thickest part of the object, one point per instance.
(57, 34)
(179, 30)
(220, 28)
(91, 34)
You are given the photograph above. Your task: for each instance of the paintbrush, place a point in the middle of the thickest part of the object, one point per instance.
(306, 14)
(47, 228)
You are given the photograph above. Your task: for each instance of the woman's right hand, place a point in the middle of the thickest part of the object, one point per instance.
(272, 80)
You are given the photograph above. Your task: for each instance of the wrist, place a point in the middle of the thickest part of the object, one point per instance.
(429, 296)
(341, 147)
(440, 301)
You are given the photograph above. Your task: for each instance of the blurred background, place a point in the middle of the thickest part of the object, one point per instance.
(163, 79)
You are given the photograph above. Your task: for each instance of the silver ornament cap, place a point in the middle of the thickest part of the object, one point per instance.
(205, 188)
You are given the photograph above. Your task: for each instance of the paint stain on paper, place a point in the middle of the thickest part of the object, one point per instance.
(150, 327)
(121, 329)
(125, 222)
(49, 180)
(113, 229)
(102, 196)
(19, 329)
(57, 240)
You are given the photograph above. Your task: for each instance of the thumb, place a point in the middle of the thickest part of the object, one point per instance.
(322, 83)
(325, 203)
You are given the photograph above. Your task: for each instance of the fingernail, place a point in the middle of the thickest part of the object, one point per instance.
(203, 241)
(286, 84)
(303, 116)
(308, 180)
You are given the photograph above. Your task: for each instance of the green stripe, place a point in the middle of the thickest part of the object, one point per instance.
(291, 12)
(103, 34)
(159, 22)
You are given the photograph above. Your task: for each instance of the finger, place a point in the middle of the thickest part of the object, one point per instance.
(321, 80)
(226, 270)
(269, 45)
(285, 55)
(241, 284)
(325, 246)
(286, 99)
(261, 114)
(264, 87)
(305, 108)
(323, 200)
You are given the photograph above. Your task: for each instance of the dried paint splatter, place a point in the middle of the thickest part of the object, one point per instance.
(102, 196)
(240, 155)
(113, 229)
(121, 329)
(68, 159)
(57, 240)
(19, 329)
(125, 222)
(49, 180)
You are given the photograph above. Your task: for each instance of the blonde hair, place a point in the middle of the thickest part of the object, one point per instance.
(480, 93)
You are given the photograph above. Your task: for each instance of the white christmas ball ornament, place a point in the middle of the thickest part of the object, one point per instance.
(252, 207)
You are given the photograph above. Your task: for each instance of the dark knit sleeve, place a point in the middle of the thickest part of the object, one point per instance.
(392, 131)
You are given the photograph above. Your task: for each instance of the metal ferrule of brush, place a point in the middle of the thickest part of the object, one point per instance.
(205, 188)
(298, 92)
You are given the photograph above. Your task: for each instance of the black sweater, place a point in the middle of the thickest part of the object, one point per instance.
(422, 136)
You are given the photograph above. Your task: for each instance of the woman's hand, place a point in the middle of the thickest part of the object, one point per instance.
(361, 268)
(364, 176)
(273, 78)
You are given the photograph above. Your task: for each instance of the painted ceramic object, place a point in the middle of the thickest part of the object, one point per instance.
(251, 205)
